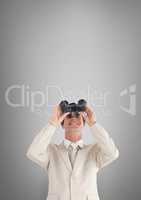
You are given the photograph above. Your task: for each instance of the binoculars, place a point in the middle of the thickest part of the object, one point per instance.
(73, 108)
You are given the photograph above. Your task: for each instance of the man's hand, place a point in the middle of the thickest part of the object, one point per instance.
(57, 116)
(89, 116)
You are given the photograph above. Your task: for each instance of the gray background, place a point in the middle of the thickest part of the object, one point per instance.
(70, 45)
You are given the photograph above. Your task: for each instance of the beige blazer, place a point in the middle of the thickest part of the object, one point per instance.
(79, 183)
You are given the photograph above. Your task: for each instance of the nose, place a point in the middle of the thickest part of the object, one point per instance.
(73, 119)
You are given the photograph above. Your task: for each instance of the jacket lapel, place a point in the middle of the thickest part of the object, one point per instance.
(65, 157)
(79, 158)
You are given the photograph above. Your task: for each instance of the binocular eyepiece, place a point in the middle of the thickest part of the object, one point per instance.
(73, 107)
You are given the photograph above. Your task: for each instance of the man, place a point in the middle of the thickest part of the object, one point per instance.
(72, 166)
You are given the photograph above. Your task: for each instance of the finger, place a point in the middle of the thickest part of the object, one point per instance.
(55, 109)
(84, 115)
(58, 110)
(88, 108)
(89, 111)
(64, 115)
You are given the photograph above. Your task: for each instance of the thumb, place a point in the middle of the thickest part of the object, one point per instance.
(84, 115)
(63, 116)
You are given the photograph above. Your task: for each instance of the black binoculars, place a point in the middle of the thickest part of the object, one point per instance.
(73, 108)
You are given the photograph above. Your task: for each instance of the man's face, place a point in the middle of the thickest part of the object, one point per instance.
(73, 122)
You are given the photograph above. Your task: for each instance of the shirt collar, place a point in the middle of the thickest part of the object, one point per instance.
(74, 144)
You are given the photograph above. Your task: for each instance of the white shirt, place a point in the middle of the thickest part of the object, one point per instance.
(74, 144)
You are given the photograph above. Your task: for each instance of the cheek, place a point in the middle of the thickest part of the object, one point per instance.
(80, 122)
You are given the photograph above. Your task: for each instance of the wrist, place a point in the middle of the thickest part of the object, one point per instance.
(92, 123)
(53, 123)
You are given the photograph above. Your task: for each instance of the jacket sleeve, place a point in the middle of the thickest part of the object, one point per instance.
(39, 149)
(104, 151)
